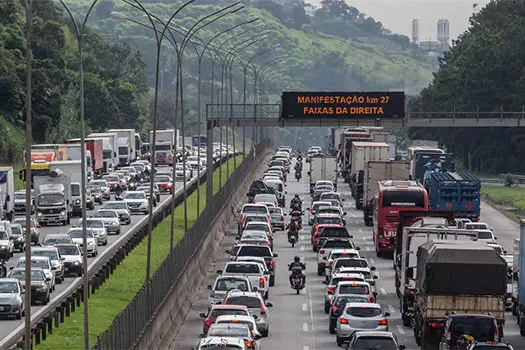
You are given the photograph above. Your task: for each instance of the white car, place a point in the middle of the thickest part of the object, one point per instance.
(111, 219)
(137, 201)
(73, 262)
(314, 208)
(252, 270)
(326, 248)
(98, 227)
(332, 285)
(476, 226)
(7, 245)
(339, 253)
(230, 343)
(180, 173)
(45, 264)
(486, 236)
(92, 244)
(355, 287)
(223, 284)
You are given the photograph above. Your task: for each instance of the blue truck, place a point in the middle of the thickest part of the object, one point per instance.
(457, 192)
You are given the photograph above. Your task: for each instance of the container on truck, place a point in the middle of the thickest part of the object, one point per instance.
(456, 276)
(200, 141)
(375, 172)
(457, 192)
(425, 143)
(41, 155)
(74, 153)
(417, 165)
(345, 147)
(324, 168)
(434, 163)
(109, 149)
(138, 146)
(74, 169)
(126, 146)
(362, 153)
(53, 198)
(388, 138)
(515, 276)
(7, 193)
(95, 147)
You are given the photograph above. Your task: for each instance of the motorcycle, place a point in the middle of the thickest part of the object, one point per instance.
(293, 237)
(298, 175)
(3, 269)
(297, 280)
(296, 206)
(296, 215)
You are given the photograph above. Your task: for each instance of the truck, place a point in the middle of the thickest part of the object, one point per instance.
(457, 192)
(388, 138)
(374, 172)
(138, 146)
(345, 148)
(74, 153)
(95, 146)
(419, 157)
(456, 276)
(53, 199)
(109, 149)
(74, 169)
(7, 193)
(362, 153)
(41, 155)
(434, 163)
(406, 266)
(199, 141)
(164, 149)
(323, 168)
(126, 146)
(515, 278)
(425, 143)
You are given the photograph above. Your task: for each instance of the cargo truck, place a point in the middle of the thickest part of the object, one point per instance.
(425, 143)
(375, 172)
(515, 277)
(456, 276)
(74, 153)
(53, 198)
(126, 146)
(362, 153)
(520, 304)
(457, 192)
(73, 168)
(345, 148)
(419, 158)
(7, 193)
(138, 146)
(41, 155)
(406, 268)
(164, 149)
(323, 169)
(95, 146)
(388, 138)
(109, 149)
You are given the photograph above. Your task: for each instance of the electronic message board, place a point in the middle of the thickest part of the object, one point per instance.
(345, 105)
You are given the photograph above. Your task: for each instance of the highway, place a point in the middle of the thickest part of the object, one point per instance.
(298, 321)
(8, 325)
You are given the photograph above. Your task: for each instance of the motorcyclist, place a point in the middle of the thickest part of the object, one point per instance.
(118, 190)
(297, 263)
(296, 200)
(293, 228)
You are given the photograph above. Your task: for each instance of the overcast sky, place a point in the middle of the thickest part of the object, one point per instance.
(397, 15)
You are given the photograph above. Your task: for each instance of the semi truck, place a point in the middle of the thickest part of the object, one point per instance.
(362, 153)
(457, 192)
(7, 193)
(456, 276)
(53, 198)
(345, 148)
(109, 149)
(126, 146)
(374, 172)
(406, 266)
(164, 146)
(323, 168)
(95, 146)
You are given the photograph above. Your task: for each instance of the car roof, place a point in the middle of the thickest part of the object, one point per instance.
(223, 306)
(223, 340)
(347, 274)
(66, 245)
(234, 317)
(367, 305)
(47, 247)
(353, 282)
(12, 280)
(240, 293)
(34, 258)
(385, 334)
(61, 234)
(360, 268)
(328, 215)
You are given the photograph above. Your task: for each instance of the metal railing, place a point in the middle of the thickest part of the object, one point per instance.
(127, 327)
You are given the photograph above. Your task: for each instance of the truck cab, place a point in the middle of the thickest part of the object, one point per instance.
(53, 198)
(7, 193)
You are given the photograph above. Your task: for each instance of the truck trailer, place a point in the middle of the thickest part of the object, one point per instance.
(95, 146)
(7, 193)
(126, 146)
(109, 149)
(323, 168)
(362, 153)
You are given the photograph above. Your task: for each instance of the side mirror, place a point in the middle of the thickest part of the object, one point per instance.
(285, 192)
(12, 267)
(201, 336)
(344, 213)
(357, 248)
(23, 291)
(376, 277)
(11, 238)
(504, 252)
(373, 268)
(202, 315)
(387, 314)
(219, 272)
(227, 251)
(374, 294)
(275, 255)
(325, 282)
(343, 199)
(269, 304)
(255, 289)
(48, 279)
(62, 259)
(351, 237)
(255, 317)
(496, 238)
(256, 335)
(402, 347)
(53, 268)
(325, 258)
(209, 286)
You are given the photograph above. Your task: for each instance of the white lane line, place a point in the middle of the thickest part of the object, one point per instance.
(305, 327)
(391, 309)
(305, 307)
(383, 291)
(312, 317)
(360, 230)
(372, 261)
(306, 348)
(400, 330)
(302, 248)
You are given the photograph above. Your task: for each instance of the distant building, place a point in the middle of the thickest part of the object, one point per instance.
(443, 31)
(415, 31)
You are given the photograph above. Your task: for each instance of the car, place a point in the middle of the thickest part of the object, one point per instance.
(78, 238)
(20, 202)
(98, 226)
(220, 310)
(11, 298)
(252, 270)
(44, 263)
(253, 209)
(137, 202)
(40, 292)
(479, 326)
(258, 260)
(486, 236)
(255, 304)
(334, 202)
(146, 189)
(360, 316)
(277, 218)
(111, 219)
(257, 251)
(365, 340)
(165, 183)
(122, 208)
(338, 306)
(112, 180)
(367, 272)
(57, 262)
(261, 218)
(266, 198)
(476, 226)
(104, 187)
(354, 287)
(181, 173)
(235, 330)
(339, 253)
(156, 189)
(260, 226)
(7, 245)
(460, 222)
(332, 285)
(18, 237)
(326, 219)
(313, 210)
(254, 237)
(332, 195)
(498, 248)
(96, 192)
(73, 262)
(54, 239)
(337, 210)
(326, 231)
(326, 247)
(35, 228)
(240, 319)
(230, 343)
(490, 345)
(342, 263)
(223, 284)
(195, 163)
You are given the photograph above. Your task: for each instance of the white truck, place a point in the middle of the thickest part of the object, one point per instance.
(375, 172)
(110, 149)
(388, 138)
(323, 168)
(126, 145)
(164, 149)
(7, 193)
(73, 168)
(53, 198)
(74, 153)
(362, 153)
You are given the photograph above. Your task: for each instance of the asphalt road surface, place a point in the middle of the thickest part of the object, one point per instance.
(298, 322)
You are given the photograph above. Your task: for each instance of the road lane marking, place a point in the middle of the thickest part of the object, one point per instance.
(400, 330)
(383, 291)
(367, 248)
(305, 307)
(372, 261)
(360, 231)
(305, 327)
(302, 248)
(391, 309)
(312, 317)
(306, 348)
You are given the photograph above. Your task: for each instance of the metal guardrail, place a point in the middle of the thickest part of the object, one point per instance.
(45, 319)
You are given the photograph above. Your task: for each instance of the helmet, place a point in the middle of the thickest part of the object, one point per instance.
(296, 259)
(296, 196)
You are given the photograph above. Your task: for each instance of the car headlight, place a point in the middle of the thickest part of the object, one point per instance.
(63, 213)
(115, 223)
(20, 239)
(40, 289)
(76, 263)
(39, 213)
(77, 201)
(91, 243)
(3, 247)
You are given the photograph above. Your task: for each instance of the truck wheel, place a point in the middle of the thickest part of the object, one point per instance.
(378, 253)
(358, 206)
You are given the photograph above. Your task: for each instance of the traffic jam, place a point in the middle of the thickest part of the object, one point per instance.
(440, 253)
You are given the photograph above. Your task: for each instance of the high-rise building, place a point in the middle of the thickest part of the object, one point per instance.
(443, 32)
(415, 31)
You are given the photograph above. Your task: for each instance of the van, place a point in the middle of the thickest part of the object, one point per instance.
(278, 187)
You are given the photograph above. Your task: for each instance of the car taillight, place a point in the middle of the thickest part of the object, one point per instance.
(248, 344)
(321, 252)
(282, 217)
(496, 334)
(343, 320)
(208, 323)
(240, 215)
(269, 244)
(372, 283)
(449, 336)
(261, 282)
(330, 290)
(383, 322)
(271, 262)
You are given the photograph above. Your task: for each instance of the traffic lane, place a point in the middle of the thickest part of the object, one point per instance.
(505, 229)
(8, 325)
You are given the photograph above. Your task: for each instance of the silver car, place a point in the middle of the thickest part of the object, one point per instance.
(78, 238)
(122, 209)
(137, 201)
(98, 227)
(255, 304)
(45, 264)
(359, 317)
(7, 246)
(57, 262)
(111, 220)
(11, 299)
(223, 284)
(277, 217)
(104, 187)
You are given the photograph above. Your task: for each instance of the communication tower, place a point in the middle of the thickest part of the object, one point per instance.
(415, 31)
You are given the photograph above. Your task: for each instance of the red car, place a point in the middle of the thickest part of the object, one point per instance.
(165, 183)
(318, 231)
(112, 181)
(219, 310)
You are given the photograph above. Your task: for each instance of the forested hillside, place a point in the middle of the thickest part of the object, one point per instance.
(483, 70)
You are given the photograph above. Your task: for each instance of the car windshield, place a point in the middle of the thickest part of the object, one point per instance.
(353, 289)
(105, 214)
(226, 284)
(221, 312)
(56, 240)
(121, 205)
(264, 198)
(254, 251)
(112, 178)
(481, 328)
(99, 183)
(334, 232)
(8, 287)
(75, 190)
(255, 209)
(332, 210)
(51, 199)
(490, 347)
(68, 250)
(335, 220)
(78, 234)
(51, 254)
(95, 223)
(20, 274)
(330, 195)
(4, 236)
(221, 346)
(94, 188)
(218, 330)
(16, 230)
(258, 227)
(20, 196)
(342, 301)
(162, 179)
(254, 235)
(474, 226)
(373, 343)
(249, 302)
(317, 205)
(363, 311)
(484, 235)
(35, 263)
(337, 244)
(350, 263)
(275, 210)
(399, 198)
(242, 268)
(135, 195)
(254, 218)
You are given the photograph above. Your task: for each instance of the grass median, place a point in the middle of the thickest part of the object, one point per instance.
(509, 200)
(128, 278)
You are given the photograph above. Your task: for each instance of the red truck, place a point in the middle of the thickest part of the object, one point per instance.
(95, 146)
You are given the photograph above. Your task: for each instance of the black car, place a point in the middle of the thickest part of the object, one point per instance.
(258, 187)
(39, 287)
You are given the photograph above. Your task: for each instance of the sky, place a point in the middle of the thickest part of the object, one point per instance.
(397, 15)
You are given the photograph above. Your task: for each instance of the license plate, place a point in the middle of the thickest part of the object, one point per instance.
(66, 269)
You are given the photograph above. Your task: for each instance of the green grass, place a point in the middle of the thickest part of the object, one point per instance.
(128, 278)
(510, 200)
